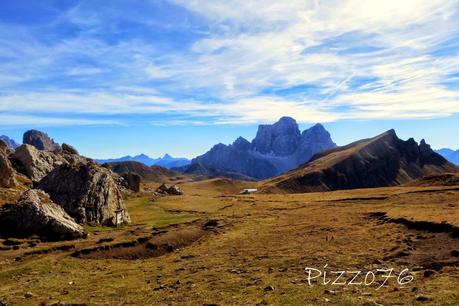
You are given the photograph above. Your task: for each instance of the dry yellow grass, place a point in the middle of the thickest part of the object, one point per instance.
(265, 240)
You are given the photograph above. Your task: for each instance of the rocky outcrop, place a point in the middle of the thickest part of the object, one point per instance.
(87, 192)
(40, 140)
(11, 143)
(36, 214)
(384, 160)
(35, 164)
(276, 149)
(7, 175)
(66, 148)
(132, 181)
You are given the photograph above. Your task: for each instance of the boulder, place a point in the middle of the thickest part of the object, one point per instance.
(35, 164)
(169, 190)
(132, 181)
(87, 192)
(174, 190)
(40, 140)
(7, 178)
(36, 214)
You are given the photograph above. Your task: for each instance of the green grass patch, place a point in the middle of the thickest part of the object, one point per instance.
(144, 211)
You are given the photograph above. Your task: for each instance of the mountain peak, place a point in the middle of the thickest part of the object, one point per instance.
(40, 140)
(11, 143)
(167, 156)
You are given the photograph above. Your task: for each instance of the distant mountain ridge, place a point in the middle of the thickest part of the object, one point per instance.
(277, 148)
(451, 155)
(11, 143)
(166, 161)
(381, 161)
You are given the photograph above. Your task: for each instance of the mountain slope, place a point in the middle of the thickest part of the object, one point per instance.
(153, 173)
(198, 170)
(450, 155)
(276, 148)
(384, 160)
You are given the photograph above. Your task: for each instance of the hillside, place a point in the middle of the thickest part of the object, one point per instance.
(384, 160)
(153, 173)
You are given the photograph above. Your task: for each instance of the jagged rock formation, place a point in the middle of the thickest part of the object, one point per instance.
(7, 175)
(35, 164)
(11, 143)
(276, 149)
(132, 181)
(87, 192)
(40, 140)
(279, 139)
(384, 160)
(36, 214)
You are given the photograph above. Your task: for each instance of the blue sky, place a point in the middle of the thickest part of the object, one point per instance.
(156, 76)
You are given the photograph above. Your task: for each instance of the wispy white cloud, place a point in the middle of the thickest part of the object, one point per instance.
(238, 69)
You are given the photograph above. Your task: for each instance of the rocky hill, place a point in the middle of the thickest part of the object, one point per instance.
(276, 148)
(61, 190)
(384, 160)
(153, 173)
(201, 171)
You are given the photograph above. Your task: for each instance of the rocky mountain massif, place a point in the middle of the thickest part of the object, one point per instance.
(384, 160)
(62, 190)
(166, 161)
(450, 155)
(276, 148)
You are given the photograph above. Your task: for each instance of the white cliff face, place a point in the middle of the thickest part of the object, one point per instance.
(276, 149)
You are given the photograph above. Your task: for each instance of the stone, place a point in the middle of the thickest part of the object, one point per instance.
(35, 164)
(164, 189)
(40, 140)
(7, 174)
(422, 298)
(269, 288)
(87, 192)
(174, 190)
(36, 214)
